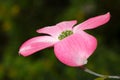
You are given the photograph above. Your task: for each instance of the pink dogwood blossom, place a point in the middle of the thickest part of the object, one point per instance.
(72, 45)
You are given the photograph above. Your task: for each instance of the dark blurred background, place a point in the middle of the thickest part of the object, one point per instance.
(19, 20)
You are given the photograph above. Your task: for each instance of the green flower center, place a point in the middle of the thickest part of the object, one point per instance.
(65, 34)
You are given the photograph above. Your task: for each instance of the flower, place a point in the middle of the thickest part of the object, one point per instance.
(72, 45)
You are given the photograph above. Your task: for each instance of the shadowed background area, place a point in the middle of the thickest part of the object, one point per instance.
(19, 20)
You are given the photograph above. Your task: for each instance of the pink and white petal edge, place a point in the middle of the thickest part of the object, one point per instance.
(35, 44)
(56, 30)
(93, 22)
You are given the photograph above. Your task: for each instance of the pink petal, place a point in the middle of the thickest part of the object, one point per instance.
(58, 28)
(75, 49)
(35, 44)
(93, 22)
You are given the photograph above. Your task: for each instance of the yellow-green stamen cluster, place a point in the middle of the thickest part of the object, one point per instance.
(65, 34)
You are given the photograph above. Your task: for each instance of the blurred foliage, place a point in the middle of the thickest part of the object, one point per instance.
(19, 20)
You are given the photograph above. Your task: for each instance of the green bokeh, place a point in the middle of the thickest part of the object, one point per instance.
(19, 20)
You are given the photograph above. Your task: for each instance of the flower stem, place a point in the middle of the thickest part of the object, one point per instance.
(97, 74)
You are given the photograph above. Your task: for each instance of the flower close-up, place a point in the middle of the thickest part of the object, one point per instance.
(72, 45)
